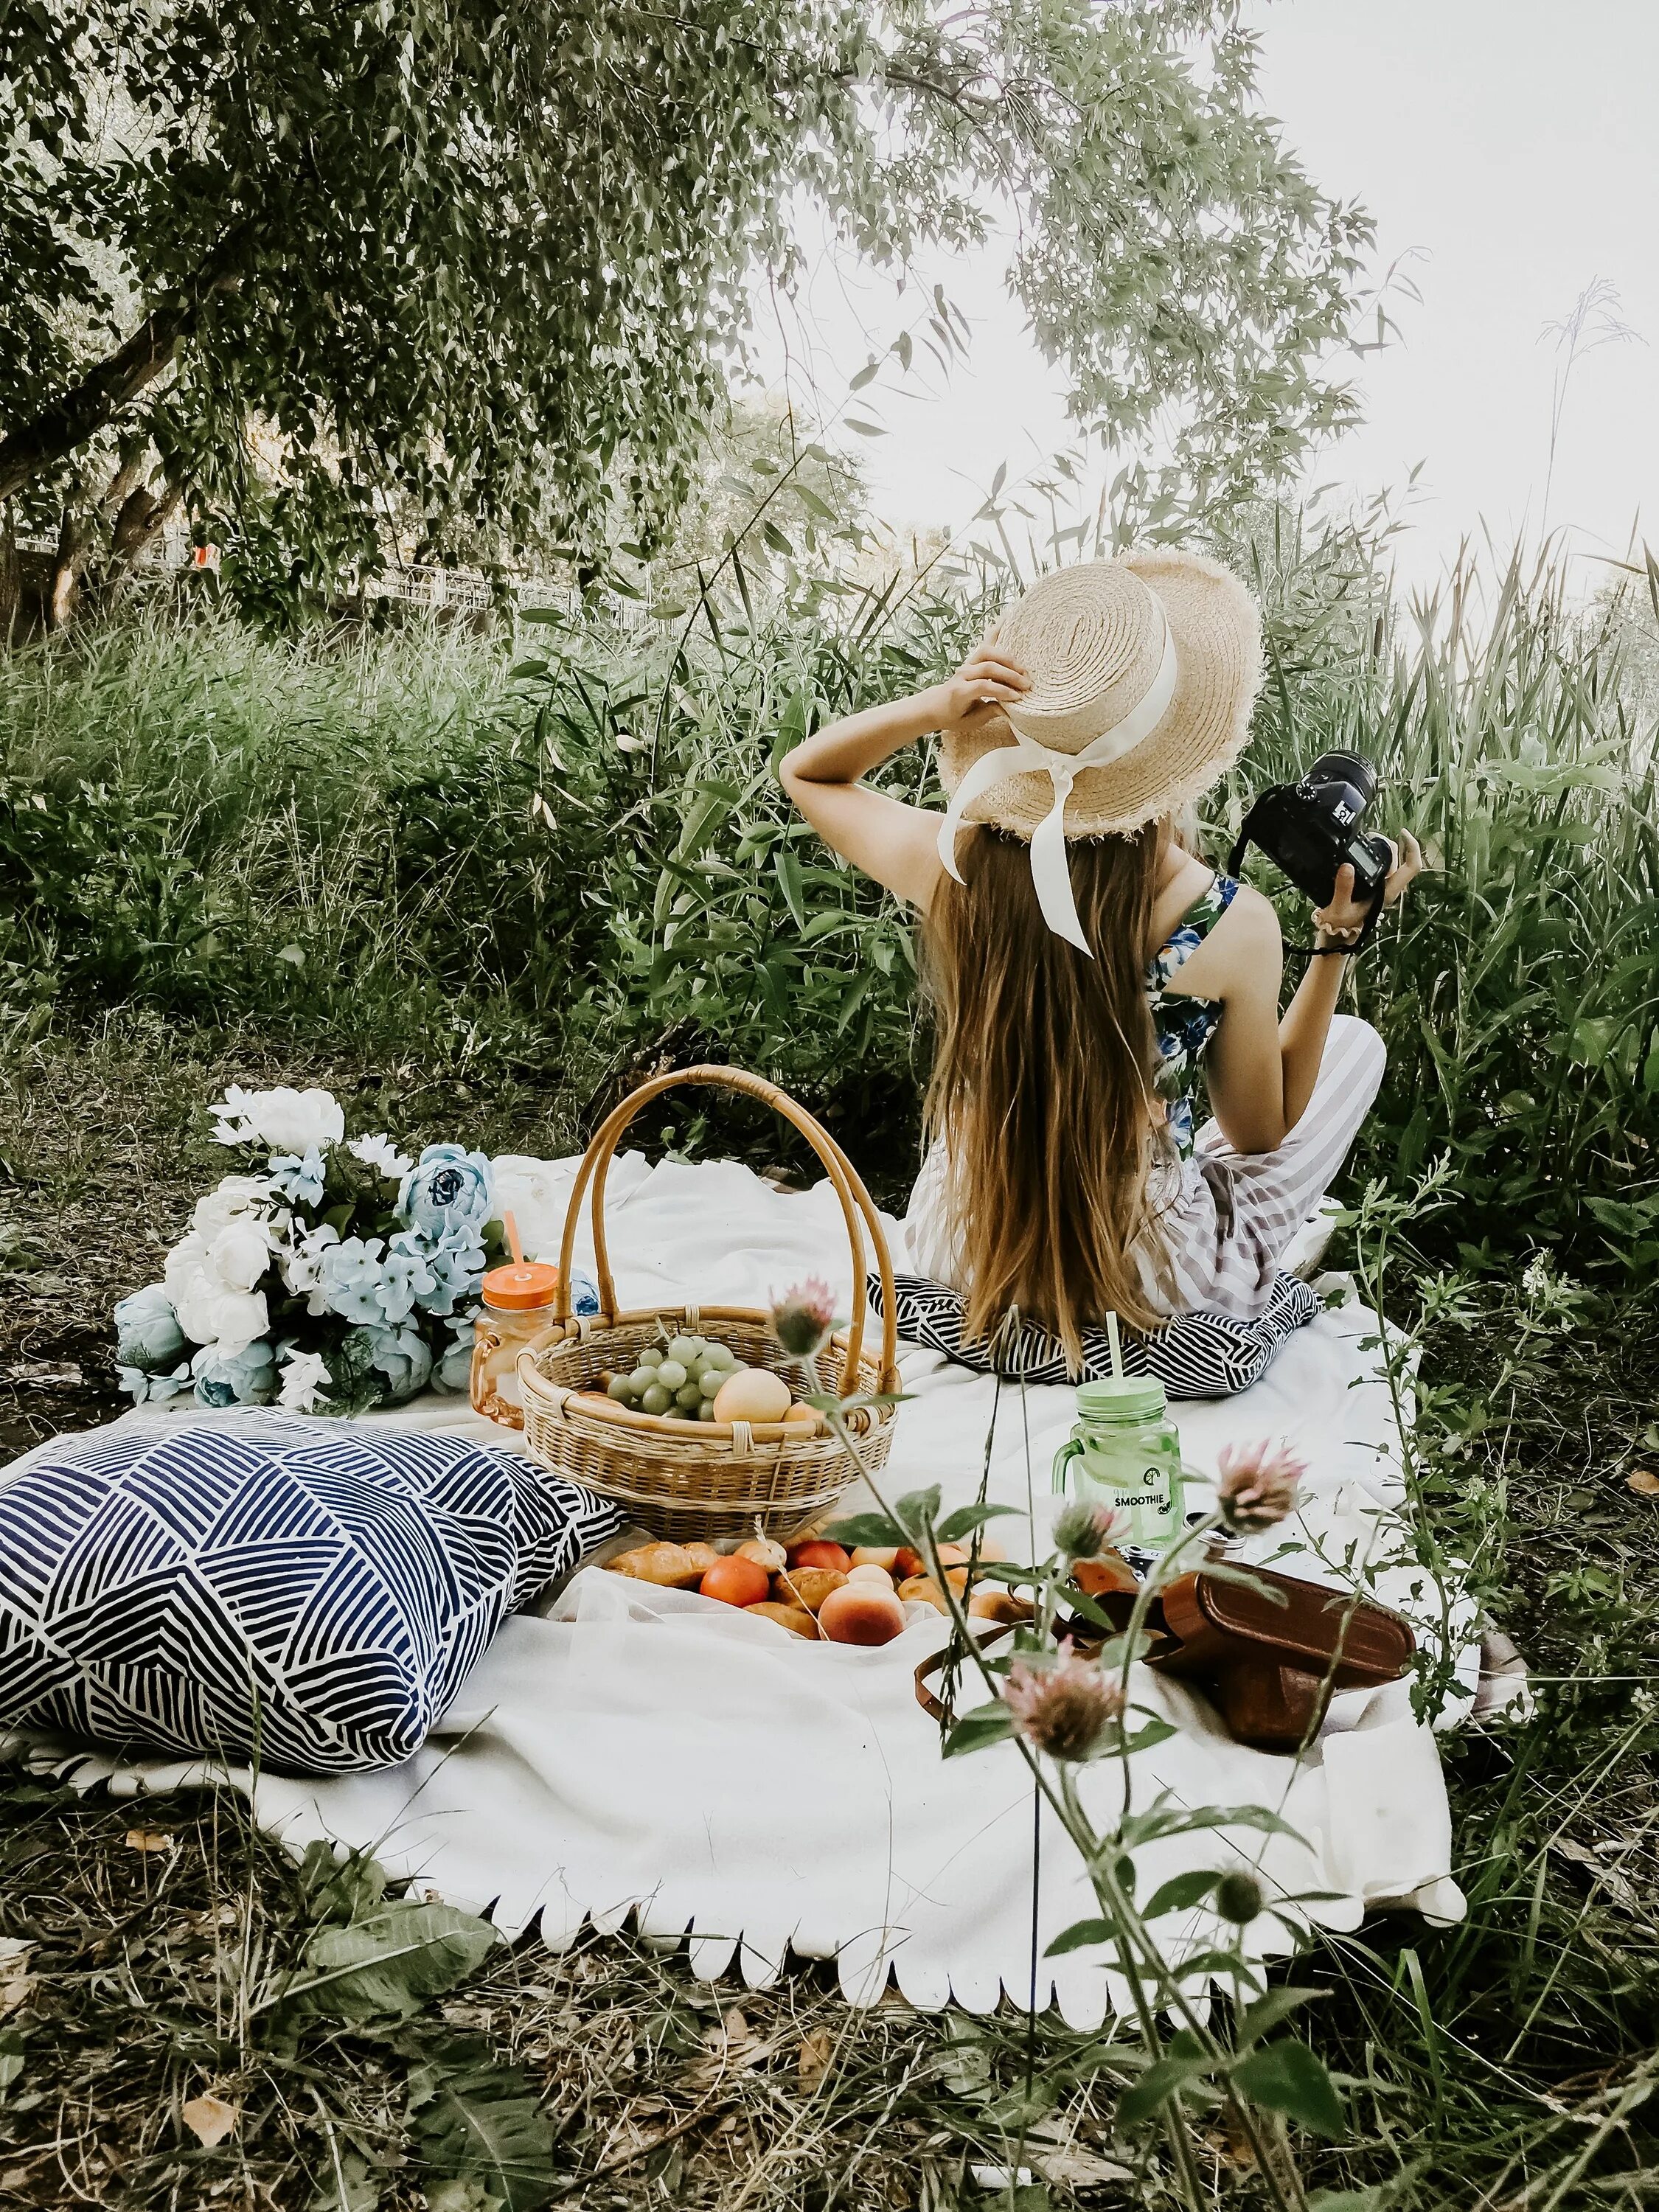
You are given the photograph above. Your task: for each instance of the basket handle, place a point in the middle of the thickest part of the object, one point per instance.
(858, 1209)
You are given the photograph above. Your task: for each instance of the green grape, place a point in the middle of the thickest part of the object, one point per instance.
(706, 1410)
(641, 1379)
(620, 1388)
(720, 1355)
(656, 1399)
(710, 1380)
(670, 1374)
(685, 1349)
(688, 1397)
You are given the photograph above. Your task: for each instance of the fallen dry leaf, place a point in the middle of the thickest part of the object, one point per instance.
(149, 1839)
(813, 2059)
(1644, 1481)
(17, 1985)
(1618, 1886)
(210, 2119)
(1077, 2168)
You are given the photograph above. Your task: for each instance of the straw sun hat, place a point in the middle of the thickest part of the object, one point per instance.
(1143, 670)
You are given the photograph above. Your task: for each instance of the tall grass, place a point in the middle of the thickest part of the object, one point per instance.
(580, 858)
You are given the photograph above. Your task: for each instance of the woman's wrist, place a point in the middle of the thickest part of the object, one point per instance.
(1334, 941)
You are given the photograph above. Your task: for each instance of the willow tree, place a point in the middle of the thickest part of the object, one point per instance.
(310, 264)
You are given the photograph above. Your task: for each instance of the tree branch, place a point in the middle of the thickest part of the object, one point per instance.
(84, 409)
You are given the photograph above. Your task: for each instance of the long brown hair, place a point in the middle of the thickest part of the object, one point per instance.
(1042, 1083)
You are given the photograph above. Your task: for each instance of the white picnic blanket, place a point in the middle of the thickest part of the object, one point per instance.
(647, 1752)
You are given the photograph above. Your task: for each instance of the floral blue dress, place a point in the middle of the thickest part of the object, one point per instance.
(1184, 1026)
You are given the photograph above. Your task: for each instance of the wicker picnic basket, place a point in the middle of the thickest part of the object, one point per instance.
(697, 1480)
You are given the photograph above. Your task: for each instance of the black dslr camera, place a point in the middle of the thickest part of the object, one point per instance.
(1312, 828)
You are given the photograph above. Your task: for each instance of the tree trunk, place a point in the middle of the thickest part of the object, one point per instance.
(142, 517)
(64, 593)
(86, 408)
(11, 580)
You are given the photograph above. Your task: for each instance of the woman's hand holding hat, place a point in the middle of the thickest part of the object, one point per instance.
(986, 679)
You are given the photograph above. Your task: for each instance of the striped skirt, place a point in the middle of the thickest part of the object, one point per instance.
(1226, 1217)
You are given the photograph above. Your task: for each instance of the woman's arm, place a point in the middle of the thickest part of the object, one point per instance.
(1262, 1069)
(895, 843)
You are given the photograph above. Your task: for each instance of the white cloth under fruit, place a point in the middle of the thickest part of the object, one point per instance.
(645, 1752)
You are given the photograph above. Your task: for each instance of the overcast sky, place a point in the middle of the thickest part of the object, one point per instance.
(1511, 148)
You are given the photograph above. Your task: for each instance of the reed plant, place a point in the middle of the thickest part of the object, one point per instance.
(569, 855)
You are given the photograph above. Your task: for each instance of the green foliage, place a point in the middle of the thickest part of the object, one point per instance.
(482, 2123)
(1517, 995)
(572, 869)
(391, 1962)
(435, 263)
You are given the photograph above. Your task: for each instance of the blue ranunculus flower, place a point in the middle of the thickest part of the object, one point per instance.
(349, 1277)
(146, 1388)
(300, 1181)
(457, 1265)
(407, 1277)
(248, 1378)
(449, 1194)
(403, 1356)
(148, 1335)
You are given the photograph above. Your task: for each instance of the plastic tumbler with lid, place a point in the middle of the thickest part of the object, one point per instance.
(1125, 1452)
(517, 1312)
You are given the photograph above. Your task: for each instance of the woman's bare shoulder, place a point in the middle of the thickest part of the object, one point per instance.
(1243, 947)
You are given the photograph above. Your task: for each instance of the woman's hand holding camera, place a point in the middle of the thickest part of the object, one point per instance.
(1343, 919)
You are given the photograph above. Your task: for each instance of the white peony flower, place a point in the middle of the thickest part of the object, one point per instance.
(238, 1198)
(302, 1265)
(283, 1121)
(211, 1311)
(380, 1152)
(306, 1379)
(240, 1253)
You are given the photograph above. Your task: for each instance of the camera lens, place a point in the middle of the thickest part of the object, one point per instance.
(1344, 768)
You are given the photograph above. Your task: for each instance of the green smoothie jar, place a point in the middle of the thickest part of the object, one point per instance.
(1125, 1452)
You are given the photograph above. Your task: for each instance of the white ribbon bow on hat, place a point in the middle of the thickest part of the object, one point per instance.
(1050, 873)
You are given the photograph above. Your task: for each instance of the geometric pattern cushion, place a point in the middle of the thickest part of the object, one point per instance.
(1194, 1355)
(306, 1595)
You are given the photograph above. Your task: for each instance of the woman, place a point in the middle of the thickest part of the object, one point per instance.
(1083, 961)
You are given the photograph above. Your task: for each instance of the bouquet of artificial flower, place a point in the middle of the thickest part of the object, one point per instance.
(329, 1274)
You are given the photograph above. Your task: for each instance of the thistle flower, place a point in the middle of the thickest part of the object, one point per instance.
(1257, 1484)
(1083, 1531)
(804, 1317)
(1064, 1707)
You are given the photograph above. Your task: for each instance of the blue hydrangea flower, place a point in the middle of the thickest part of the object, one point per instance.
(300, 1181)
(454, 1370)
(147, 1331)
(349, 1279)
(407, 1279)
(457, 1265)
(146, 1388)
(448, 1195)
(403, 1356)
(248, 1377)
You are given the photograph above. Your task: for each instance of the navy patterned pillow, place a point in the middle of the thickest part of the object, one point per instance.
(1196, 1355)
(307, 1594)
